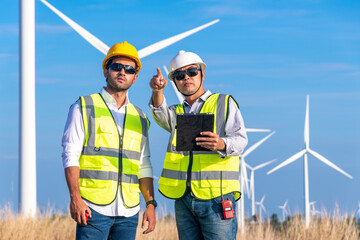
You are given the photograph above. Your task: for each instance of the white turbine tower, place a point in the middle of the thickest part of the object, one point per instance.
(284, 210)
(304, 153)
(261, 207)
(252, 183)
(244, 188)
(27, 138)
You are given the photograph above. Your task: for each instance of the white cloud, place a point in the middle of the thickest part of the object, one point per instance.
(230, 9)
(9, 157)
(53, 28)
(47, 80)
(6, 55)
(6, 29)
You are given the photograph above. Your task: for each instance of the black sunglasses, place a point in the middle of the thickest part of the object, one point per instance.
(191, 72)
(118, 66)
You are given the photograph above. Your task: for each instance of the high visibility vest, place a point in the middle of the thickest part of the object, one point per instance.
(110, 161)
(205, 172)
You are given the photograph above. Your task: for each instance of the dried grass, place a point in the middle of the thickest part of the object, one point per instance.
(55, 226)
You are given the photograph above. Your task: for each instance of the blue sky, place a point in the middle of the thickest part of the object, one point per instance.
(268, 55)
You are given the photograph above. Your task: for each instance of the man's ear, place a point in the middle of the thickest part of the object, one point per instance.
(135, 77)
(106, 73)
(203, 74)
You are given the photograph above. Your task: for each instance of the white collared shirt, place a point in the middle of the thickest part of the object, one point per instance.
(73, 141)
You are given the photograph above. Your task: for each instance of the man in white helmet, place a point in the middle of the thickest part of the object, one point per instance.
(204, 184)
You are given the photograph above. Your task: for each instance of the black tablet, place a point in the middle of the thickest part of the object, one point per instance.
(189, 127)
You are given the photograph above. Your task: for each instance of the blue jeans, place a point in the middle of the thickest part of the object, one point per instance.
(112, 227)
(203, 219)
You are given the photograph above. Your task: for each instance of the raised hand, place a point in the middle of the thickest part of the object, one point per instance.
(158, 82)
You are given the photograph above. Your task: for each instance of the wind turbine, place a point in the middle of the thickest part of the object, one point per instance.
(358, 211)
(244, 181)
(102, 47)
(313, 210)
(27, 126)
(304, 153)
(252, 183)
(261, 206)
(284, 209)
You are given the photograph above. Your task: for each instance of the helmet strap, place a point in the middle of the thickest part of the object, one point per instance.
(188, 95)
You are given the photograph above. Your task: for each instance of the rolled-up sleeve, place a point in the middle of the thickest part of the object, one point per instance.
(236, 137)
(163, 116)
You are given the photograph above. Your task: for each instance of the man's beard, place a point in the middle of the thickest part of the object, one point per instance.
(117, 88)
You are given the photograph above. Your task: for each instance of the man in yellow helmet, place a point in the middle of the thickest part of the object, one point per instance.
(106, 155)
(204, 184)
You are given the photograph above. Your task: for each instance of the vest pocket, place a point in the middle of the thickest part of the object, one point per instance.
(132, 143)
(168, 182)
(173, 161)
(212, 169)
(90, 183)
(134, 188)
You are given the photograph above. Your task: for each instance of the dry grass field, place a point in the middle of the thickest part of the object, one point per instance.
(52, 226)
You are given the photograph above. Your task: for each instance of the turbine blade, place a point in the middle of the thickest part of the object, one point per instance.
(164, 43)
(253, 147)
(248, 166)
(94, 41)
(257, 130)
(262, 199)
(263, 165)
(178, 94)
(262, 206)
(327, 162)
(287, 161)
(306, 128)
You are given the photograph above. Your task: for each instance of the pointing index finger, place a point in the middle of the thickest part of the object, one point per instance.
(158, 72)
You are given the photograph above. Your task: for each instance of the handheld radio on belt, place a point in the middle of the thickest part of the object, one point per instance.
(227, 205)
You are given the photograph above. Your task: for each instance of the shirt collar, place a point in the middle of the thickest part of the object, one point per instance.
(202, 97)
(109, 100)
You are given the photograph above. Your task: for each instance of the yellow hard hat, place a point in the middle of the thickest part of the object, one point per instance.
(123, 49)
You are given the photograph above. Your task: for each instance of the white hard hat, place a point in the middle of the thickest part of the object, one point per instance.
(183, 59)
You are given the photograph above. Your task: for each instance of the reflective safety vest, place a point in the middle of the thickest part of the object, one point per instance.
(204, 172)
(109, 159)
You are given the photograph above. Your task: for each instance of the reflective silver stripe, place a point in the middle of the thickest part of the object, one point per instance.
(215, 175)
(203, 175)
(173, 174)
(128, 178)
(220, 115)
(90, 113)
(144, 124)
(113, 176)
(110, 152)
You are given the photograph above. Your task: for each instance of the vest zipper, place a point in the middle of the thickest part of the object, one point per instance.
(188, 178)
(120, 157)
